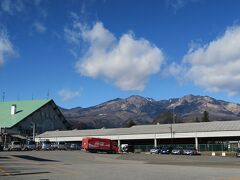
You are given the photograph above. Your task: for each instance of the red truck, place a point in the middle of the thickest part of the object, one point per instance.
(91, 144)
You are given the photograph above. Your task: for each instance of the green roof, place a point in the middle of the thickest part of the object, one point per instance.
(24, 109)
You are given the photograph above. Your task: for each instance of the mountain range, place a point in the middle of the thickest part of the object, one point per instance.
(118, 112)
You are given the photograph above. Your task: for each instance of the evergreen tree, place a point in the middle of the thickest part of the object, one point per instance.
(205, 117)
(130, 123)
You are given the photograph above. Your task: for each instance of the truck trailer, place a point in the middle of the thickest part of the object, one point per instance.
(92, 144)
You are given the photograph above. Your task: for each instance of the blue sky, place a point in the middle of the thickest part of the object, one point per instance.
(87, 52)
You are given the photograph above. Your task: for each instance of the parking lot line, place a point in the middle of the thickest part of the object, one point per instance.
(4, 171)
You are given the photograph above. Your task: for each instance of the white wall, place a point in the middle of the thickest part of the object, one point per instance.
(150, 136)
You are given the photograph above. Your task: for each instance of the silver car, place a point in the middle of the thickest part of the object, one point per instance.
(177, 151)
(155, 150)
(46, 145)
(190, 151)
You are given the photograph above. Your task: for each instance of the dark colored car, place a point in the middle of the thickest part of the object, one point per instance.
(75, 146)
(190, 151)
(1, 147)
(177, 151)
(155, 150)
(166, 150)
(29, 146)
(61, 145)
(238, 153)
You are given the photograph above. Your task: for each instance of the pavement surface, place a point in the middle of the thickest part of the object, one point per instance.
(61, 165)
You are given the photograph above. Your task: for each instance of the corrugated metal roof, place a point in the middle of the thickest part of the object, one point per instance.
(150, 129)
(24, 109)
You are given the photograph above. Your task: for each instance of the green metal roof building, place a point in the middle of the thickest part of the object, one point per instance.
(20, 116)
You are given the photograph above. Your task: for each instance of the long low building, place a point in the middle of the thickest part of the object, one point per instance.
(184, 133)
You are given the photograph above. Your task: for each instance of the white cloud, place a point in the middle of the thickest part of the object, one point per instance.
(126, 62)
(67, 95)
(6, 47)
(215, 66)
(11, 7)
(73, 34)
(39, 27)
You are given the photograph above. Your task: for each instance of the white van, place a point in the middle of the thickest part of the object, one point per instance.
(15, 146)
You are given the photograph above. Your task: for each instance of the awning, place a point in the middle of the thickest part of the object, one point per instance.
(18, 136)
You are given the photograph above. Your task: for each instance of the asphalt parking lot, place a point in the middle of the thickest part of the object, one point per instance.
(44, 165)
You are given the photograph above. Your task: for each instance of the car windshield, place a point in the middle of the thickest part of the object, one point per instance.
(46, 142)
(31, 142)
(16, 143)
(164, 148)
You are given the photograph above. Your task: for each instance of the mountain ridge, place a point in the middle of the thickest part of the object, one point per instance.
(143, 110)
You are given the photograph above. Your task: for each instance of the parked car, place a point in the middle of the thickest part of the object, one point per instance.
(190, 151)
(61, 145)
(29, 146)
(54, 146)
(238, 153)
(155, 150)
(75, 146)
(45, 145)
(166, 150)
(1, 147)
(177, 151)
(15, 146)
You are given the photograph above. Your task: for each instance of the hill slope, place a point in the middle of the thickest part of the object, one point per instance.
(117, 112)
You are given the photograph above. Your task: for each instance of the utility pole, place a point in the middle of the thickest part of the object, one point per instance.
(171, 131)
(173, 122)
(5, 138)
(33, 135)
(173, 118)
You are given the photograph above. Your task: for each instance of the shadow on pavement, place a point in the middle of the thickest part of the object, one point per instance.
(3, 157)
(33, 158)
(30, 173)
